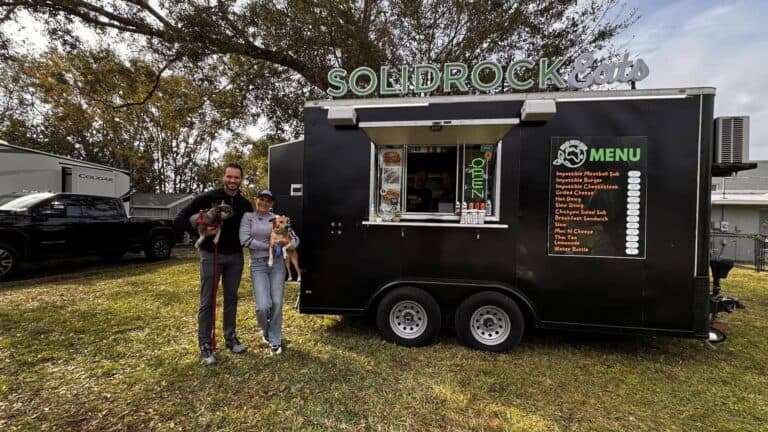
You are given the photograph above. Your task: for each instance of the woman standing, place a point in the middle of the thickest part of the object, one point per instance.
(268, 282)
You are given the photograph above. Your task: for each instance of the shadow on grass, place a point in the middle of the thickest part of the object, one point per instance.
(650, 347)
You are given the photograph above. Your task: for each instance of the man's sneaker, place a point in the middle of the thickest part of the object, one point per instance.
(235, 346)
(275, 349)
(264, 339)
(206, 353)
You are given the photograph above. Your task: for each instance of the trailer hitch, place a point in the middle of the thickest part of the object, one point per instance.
(718, 302)
(725, 304)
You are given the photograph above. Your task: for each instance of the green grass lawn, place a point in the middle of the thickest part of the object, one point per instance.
(114, 348)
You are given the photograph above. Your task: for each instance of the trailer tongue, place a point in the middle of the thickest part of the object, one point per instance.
(719, 302)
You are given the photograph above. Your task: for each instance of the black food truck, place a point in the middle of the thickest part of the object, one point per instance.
(492, 214)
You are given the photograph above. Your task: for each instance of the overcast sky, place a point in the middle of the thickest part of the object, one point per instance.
(721, 44)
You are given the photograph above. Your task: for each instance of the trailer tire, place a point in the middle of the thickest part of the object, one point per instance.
(408, 316)
(489, 321)
(9, 261)
(158, 247)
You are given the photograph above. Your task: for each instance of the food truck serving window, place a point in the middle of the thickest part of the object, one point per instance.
(424, 170)
(431, 181)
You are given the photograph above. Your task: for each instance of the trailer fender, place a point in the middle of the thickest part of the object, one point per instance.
(464, 288)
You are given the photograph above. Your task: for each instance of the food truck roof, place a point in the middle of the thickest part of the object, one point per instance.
(563, 96)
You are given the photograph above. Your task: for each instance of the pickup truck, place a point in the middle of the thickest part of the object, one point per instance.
(42, 226)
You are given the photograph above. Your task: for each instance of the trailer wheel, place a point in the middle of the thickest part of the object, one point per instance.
(409, 317)
(489, 321)
(158, 247)
(9, 261)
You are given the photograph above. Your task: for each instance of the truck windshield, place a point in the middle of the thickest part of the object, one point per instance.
(22, 202)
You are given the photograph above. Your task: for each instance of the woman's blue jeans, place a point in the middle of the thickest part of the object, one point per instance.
(268, 289)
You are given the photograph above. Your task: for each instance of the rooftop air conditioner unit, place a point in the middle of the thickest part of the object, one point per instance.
(732, 139)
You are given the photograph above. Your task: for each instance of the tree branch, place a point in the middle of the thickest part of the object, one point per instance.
(153, 89)
(146, 6)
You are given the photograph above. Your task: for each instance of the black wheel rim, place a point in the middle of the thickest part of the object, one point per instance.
(161, 248)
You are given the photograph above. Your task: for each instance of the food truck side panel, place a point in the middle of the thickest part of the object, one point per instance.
(289, 158)
(335, 254)
(346, 262)
(655, 292)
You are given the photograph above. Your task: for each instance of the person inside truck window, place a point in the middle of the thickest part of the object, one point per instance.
(419, 196)
(447, 193)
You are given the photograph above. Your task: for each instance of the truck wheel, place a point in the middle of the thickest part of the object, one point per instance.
(489, 321)
(158, 248)
(9, 261)
(409, 317)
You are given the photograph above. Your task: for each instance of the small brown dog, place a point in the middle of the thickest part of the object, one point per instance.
(280, 228)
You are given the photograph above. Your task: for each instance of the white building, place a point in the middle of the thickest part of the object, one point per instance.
(740, 203)
(740, 208)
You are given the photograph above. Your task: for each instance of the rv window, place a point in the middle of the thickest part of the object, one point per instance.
(428, 181)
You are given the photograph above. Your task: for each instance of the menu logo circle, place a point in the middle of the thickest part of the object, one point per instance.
(572, 153)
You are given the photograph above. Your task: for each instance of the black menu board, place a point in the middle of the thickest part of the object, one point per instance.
(597, 198)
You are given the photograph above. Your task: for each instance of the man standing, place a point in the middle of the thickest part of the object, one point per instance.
(230, 260)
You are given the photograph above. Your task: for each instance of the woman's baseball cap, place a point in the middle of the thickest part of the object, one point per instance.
(266, 193)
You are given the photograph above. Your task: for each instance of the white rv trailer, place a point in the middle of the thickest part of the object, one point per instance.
(27, 170)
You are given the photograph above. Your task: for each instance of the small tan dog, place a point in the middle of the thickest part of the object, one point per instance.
(280, 228)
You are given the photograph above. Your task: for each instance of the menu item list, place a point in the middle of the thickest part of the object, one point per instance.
(597, 196)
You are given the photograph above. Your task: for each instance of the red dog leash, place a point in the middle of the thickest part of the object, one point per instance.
(201, 221)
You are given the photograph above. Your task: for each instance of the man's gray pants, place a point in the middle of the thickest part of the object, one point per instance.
(230, 273)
